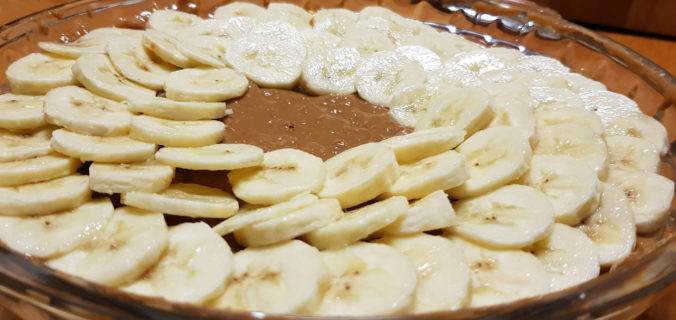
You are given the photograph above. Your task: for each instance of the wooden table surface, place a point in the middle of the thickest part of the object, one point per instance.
(660, 51)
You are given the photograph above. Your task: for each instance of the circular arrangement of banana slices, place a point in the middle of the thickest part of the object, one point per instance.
(521, 177)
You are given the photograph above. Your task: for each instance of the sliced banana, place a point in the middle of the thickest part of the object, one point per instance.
(194, 269)
(178, 110)
(24, 144)
(382, 74)
(549, 116)
(289, 13)
(335, 20)
(424, 143)
(171, 133)
(494, 157)
(185, 199)
(122, 178)
(19, 112)
(206, 42)
(576, 141)
(368, 279)
(358, 224)
(502, 276)
(165, 47)
(129, 245)
(80, 111)
(284, 278)
(432, 212)
(649, 196)
(250, 215)
(96, 73)
(94, 41)
(570, 184)
(640, 126)
(239, 9)
(283, 174)
(54, 234)
(171, 21)
(411, 103)
(37, 73)
(470, 109)
(368, 38)
(290, 225)
(569, 257)
(208, 85)
(132, 60)
(609, 105)
(512, 110)
(330, 71)
(359, 174)
(271, 55)
(631, 153)
(213, 157)
(511, 217)
(612, 226)
(45, 197)
(444, 280)
(36, 169)
(439, 172)
(101, 149)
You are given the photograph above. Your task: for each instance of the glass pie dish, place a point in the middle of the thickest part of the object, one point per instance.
(33, 291)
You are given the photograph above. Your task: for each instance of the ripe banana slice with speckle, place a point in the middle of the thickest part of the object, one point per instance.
(207, 85)
(631, 153)
(284, 278)
(424, 143)
(45, 197)
(185, 199)
(96, 73)
(165, 47)
(283, 174)
(576, 141)
(640, 126)
(94, 41)
(101, 149)
(384, 73)
(206, 42)
(36, 169)
(470, 109)
(178, 110)
(214, 157)
(54, 234)
(19, 112)
(129, 245)
(122, 178)
(194, 269)
(37, 73)
(171, 133)
(80, 111)
(132, 60)
(432, 212)
(331, 71)
(22, 145)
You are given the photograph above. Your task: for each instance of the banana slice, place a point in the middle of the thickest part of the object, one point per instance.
(171, 21)
(178, 110)
(45, 197)
(444, 44)
(129, 245)
(93, 41)
(289, 13)
(214, 157)
(512, 110)
(171, 133)
(283, 174)
(185, 199)
(411, 103)
(51, 235)
(649, 196)
(444, 280)
(165, 47)
(37, 73)
(22, 145)
(470, 109)
(271, 55)
(609, 105)
(439, 172)
(194, 269)
(96, 73)
(576, 141)
(80, 111)
(122, 178)
(570, 184)
(239, 9)
(331, 71)
(510, 217)
(101, 149)
(424, 143)
(36, 169)
(208, 85)
(336, 21)
(429, 60)
(358, 224)
(132, 60)
(568, 255)
(285, 278)
(206, 42)
(631, 153)
(359, 174)
(502, 276)
(382, 74)
(432, 212)
(549, 116)
(250, 215)
(19, 112)
(368, 279)
(612, 226)
(640, 126)
(478, 61)
(316, 40)
(290, 225)
(494, 157)
(368, 38)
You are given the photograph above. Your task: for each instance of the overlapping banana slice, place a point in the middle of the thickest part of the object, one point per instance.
(289, 13)
(171, 21)
(37, 73)
(94, 41)
(239, 9)
(22, 145)
(549, 116)
(178, 110)
(384, 73)
(207, 41)
(213, 157)
(432, 212)
(21, 112)
(172, 133)
(96, 73)
(45, 197)
(424, 143)
(316, 40)
(576, 141)
(207, 85)
(334, 20)
(165, 46)
(640, 126)
(36, 169)
(121, 178)
(101, 149)
(469, 109)
(331, 71)
(631, 153)
(132, 60)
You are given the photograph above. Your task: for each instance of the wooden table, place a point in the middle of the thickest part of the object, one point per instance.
(662, 52)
